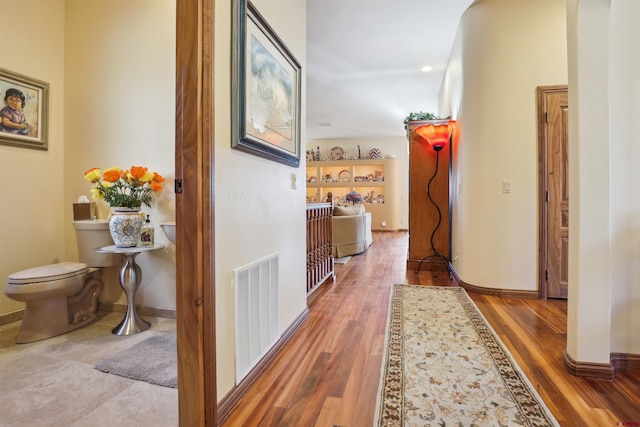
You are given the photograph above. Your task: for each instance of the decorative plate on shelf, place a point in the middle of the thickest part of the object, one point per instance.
(336, 153)
(344, 176)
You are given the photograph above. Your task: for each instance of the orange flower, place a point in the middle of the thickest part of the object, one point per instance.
(138, 171)
(157, 177)
(112, 174)
(129, 188)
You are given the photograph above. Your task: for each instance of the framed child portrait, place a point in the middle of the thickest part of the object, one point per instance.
(24, 111)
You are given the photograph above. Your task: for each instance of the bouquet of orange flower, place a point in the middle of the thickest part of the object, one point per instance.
(124, 188)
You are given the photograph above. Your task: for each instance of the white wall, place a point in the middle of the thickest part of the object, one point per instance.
(398, 147)
(503, 51)
(624, 77)
(257, 211)
(588, 317)
(604, 74)
(32, 214)
(110, 65)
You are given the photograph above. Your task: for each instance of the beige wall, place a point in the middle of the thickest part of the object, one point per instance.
(120, 111)
(32, 212)
(111, 66)
(257, 211)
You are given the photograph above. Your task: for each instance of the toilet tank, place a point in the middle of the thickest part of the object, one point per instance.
(92, 234)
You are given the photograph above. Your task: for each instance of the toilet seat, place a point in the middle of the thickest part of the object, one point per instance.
(48, 273)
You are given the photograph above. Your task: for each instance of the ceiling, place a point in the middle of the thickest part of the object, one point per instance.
(364, 60)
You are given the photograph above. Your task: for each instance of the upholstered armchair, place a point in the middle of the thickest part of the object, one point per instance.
(351, 229)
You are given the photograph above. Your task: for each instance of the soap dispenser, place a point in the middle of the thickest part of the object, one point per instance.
(146, 238)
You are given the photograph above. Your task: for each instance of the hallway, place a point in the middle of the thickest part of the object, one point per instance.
(327, 375)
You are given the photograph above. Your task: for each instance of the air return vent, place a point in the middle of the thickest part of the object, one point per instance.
(257, 316)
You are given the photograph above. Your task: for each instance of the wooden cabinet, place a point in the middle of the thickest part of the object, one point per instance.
(423, 216)
(375, 180)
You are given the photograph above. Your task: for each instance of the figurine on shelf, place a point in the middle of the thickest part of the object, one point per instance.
(329, 197)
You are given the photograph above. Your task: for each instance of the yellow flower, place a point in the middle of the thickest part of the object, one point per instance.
(147, 177)
(97, 194)
(130, 188)
(92, 175)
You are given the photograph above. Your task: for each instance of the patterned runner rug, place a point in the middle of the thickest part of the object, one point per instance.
(445, 366)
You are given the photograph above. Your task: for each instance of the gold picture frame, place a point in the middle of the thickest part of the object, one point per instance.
(24, 115)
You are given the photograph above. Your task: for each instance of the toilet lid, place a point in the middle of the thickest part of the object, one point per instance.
(47, 273)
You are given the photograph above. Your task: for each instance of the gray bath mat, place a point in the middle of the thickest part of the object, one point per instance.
(153, 360)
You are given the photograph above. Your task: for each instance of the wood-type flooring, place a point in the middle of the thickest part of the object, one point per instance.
(328, 373)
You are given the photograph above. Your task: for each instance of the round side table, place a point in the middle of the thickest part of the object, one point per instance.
(130, 278)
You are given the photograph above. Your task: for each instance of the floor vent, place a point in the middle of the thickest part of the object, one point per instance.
(257, 319)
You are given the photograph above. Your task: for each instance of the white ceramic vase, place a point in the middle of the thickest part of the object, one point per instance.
(125, 226)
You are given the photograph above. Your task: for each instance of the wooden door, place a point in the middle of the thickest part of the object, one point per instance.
(195, 273)
(553, 119)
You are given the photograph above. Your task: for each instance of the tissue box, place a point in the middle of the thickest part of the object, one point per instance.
(84, 211)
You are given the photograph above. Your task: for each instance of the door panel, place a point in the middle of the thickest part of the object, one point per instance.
(555, 178)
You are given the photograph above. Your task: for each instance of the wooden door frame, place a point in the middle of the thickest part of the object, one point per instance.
(195, 287)
(543, 149)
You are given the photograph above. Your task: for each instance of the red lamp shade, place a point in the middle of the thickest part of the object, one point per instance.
(436, 133)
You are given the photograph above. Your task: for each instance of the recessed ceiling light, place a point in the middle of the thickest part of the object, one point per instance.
(426, 68)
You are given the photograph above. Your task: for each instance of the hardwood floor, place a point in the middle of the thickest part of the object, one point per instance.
(327, 375)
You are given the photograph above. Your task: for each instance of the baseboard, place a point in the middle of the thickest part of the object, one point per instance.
(228, 403)
(589, 369)
(11, 317)
(142, 310)
(102, 306)
(510, 293)
(625, 360)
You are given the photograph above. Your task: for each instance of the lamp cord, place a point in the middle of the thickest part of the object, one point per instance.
(436, 254)
(433, 233)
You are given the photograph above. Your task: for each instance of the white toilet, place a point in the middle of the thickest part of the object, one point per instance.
(64, 296)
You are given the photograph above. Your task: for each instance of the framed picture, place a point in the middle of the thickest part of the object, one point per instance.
(266, 81)
(24, 111)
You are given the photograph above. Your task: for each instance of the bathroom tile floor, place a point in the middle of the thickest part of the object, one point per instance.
(53, 382)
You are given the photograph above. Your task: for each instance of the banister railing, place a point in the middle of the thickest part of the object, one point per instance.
(319, 257)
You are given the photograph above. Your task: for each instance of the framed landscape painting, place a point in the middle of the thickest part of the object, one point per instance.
(267, 85)
(24, 111)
